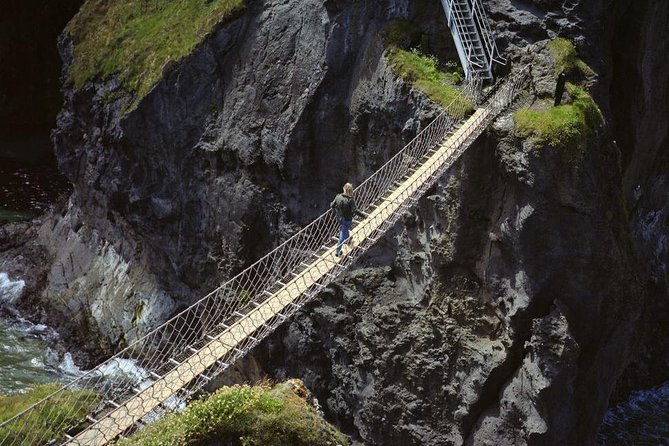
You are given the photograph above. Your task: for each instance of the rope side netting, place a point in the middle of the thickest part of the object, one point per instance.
(162, 370)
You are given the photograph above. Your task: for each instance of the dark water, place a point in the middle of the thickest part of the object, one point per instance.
(28, 189)
(643, 420)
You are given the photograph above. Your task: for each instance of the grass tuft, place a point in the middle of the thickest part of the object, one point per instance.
(566, 58)
(67, 408)
(256, 416)
(137, 38)
(422, 71)
(566, 127)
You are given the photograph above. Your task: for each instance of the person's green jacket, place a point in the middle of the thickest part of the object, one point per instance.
(345, 208)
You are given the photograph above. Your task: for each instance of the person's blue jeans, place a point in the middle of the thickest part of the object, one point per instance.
(343, 232)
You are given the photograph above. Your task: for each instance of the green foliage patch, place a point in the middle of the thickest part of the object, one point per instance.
(566, 58)
(257, 416)
(566, 127)
(136, 38)
(66, 408)
(422, 71)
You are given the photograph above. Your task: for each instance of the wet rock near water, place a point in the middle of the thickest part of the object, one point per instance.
(23, 259)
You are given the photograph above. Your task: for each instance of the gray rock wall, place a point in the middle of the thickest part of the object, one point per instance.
(238, 145)
(640, 115)
(507, 305)
(502, 311)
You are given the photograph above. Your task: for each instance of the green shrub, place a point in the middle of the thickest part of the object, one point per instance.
(565, 127)
(423, 71)
(257, 416)
(66, 408)
(566, 59)
(136, 39)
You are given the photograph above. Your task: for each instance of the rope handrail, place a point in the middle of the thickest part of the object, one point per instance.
(169, 346)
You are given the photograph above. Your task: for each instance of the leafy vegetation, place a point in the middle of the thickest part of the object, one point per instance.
(256, 416)
(566, 58)
(67, 408)
(565, 127)
(137, 38)
(422, 71)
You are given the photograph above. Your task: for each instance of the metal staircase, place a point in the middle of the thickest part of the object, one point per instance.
(473, 38)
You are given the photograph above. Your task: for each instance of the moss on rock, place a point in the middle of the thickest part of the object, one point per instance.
(566, 58)
(9, 216)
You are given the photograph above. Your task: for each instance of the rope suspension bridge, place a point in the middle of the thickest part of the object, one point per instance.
(177, 359)
(158, 373)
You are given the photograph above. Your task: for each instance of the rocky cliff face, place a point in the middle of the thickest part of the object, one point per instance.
(639, 97)
(507, 303)
(502, 309)
(235, 147)
(502, 313)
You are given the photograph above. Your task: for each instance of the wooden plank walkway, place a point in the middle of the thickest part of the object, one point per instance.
(132, 411)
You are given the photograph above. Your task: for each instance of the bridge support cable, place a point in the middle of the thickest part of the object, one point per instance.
(161, 370)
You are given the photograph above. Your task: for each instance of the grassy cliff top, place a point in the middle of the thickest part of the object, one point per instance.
(136, 38)
(250, 416)
(565, 127)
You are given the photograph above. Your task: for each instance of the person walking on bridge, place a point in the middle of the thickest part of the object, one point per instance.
(345, 209)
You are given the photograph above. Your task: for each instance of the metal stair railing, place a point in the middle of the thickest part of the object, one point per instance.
(185, 353)
(483, 24)
(473, 36)
(465, 36)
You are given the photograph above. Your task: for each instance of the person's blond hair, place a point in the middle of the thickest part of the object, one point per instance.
(348, 189)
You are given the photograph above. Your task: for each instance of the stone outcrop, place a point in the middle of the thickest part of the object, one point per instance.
(238, 145)
(513, 294)
(504, 298)
(640, 121)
